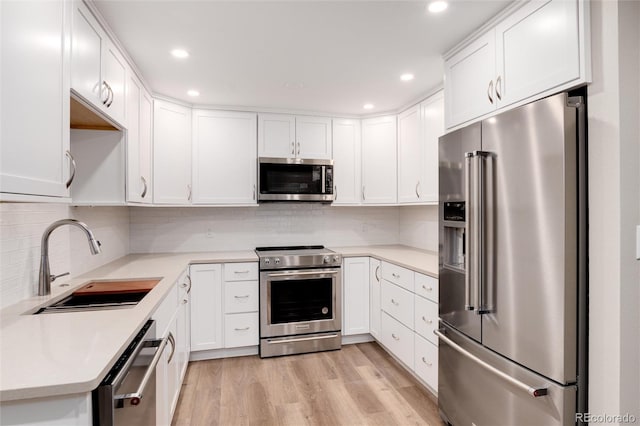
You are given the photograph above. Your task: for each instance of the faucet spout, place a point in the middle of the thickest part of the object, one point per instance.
(44, 280)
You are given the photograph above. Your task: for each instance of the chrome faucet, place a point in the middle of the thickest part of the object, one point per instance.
(44, 282)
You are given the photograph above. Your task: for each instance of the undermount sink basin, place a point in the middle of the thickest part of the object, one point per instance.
(99, 295)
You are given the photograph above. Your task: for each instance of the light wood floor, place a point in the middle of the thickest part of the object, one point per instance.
(358, 385)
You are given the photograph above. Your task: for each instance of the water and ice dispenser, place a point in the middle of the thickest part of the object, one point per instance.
(454, 235)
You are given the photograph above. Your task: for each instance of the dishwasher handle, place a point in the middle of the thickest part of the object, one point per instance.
(136, 396)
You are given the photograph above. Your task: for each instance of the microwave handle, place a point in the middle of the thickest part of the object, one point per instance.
(324, 179)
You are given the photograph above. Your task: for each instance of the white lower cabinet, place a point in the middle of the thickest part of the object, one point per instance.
(426, 361)
(397, 302)
(206, 309)
(355, 291)
(172, 323)
(241, 330)
(398, 338)
(224, 311)
(375, 280)
(426, 318)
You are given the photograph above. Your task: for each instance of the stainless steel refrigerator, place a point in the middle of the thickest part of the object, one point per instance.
(512, 267)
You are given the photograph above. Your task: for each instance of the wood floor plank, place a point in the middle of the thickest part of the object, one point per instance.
(358, 385)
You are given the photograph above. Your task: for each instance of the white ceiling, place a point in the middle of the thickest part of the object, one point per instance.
(322, 56)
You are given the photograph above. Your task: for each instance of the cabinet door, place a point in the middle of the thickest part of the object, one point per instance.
(355, 290)
(145, 152)
(375, 278)
(469, 81)
(224, 157)
(86, 53)
(35, 86)
(410, 156)
(171, 153)
(183, 334)
(114, 75)
(313, 137)
(135, 186)
(276, 135)
(379, 160)
(206, 307)
(432, 111)
(347, 161)
(537, 49)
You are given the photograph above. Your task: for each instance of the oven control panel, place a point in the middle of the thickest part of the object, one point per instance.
(301, 261)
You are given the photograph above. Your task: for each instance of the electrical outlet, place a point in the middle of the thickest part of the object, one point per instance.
(210, 233)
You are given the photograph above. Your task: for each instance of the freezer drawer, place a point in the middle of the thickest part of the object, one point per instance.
(471, 394)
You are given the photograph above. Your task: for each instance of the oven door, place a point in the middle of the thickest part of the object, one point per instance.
(300, 302)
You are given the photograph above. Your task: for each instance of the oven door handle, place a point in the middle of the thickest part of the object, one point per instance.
(136, 396)
(303, 273)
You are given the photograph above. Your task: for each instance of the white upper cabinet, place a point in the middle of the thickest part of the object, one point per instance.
(288, 136)
(539, 49)
(410, 156)
(313, 137)
(468, 82)
(171, 153)
(432, 115)
(224, 157)
(34, 147)
(139, 111)
(346, 161)
(379, 179)
(98, 70)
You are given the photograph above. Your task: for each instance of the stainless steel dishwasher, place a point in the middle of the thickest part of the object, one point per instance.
(127, 395)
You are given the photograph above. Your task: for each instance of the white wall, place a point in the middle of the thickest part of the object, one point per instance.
(21, 228)
(242, 228)
(614, 210)
(419, 227)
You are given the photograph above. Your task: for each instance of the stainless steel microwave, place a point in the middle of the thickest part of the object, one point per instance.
(295, 179)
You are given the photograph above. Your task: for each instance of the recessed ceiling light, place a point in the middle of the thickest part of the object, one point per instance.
(437, 6)
(193, 93)
(180, 53)
(367, 106)
(407, 77)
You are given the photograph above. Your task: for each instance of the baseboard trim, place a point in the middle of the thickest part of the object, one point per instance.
(223, 353)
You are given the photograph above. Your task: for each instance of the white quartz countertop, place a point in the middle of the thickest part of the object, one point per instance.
(67, 353)
(423, 261)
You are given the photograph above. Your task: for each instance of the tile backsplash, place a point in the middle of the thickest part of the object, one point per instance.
(123, 230)
(241, 228)
(21, 228)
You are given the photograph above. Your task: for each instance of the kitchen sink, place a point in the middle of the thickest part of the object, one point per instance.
(103, 294)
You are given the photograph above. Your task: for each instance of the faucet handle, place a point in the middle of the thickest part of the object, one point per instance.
(54, 277)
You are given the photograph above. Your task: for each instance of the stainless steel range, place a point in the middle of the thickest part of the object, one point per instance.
(300, 300)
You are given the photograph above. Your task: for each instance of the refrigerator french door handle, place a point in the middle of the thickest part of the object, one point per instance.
(531, 390)
(475, 235)
(469, 277)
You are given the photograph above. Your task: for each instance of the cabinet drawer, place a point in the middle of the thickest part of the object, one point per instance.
(240, 330)
(427, 286)
(398, 339)
(240, 296)
(397, 302)
(241, 271)
(398, 275)
(426, 318)
(426, 362)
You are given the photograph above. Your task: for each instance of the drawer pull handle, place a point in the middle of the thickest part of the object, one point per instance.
(242, 297)
(246, 271)
(425, 361)
(427, 321)
(394, 275)
(394, 336)
(394, 302)
(427, 288)
(185, 301)
(242, 329)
